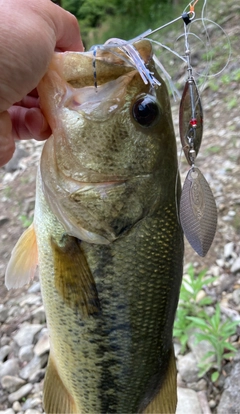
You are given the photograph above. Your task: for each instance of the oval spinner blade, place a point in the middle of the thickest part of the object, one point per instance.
(190, 110)
(198, 212)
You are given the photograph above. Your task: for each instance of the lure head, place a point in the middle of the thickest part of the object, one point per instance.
(112, 154)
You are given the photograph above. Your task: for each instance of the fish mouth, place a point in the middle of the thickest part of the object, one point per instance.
(87, 181)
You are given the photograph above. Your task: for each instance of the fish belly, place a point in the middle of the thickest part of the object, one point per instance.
(114, 356)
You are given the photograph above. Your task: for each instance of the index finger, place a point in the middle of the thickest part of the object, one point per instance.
(67, 30)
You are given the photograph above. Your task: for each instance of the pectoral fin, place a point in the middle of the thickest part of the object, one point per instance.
(73, 278)
(165, 402)
(23, 261)
(56, 399)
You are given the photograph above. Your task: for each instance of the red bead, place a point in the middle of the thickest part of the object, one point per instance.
(193, 122)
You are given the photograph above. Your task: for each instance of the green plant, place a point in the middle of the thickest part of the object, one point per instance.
(214, 149)
(217, 333)
(232, 103)
(7, 191)
(236, 75)
(25, 220)
(190, 304)
(213, 85)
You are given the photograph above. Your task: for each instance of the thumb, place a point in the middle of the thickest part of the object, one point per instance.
(7, 144)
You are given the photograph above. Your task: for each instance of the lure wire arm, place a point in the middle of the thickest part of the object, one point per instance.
(189, 15)
(194, 98)
(197, 210)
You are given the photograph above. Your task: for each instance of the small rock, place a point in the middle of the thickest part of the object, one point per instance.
(236, 358)
(201, 385)
(180, 382)
(10, 367)
(3, 313)
(212, 404)
(8, 411)
(230, 313)
(26, 334)
(12, 384)
(22, 392)
(29, 299)
(39, 315)
(177, 348)
(187, 366)
(13, 164)
(236, 296)
(200, 349)
(4, 351)
(26, 353)
(37, 376)
(200, 295)
(4, 341)
(220, 262)
(13, 311)
(227, 218)
(3, 220)
(43, 345)
(38, 389)
(230, 399)
(34, 365)
(17, 406)
(31, 411)
(228, 250)
(34, 288)
(226, 281)
(31, 403)
(214, 271)
(188, 402)
(236, 266)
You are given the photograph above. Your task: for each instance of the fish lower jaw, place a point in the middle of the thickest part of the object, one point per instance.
(85, 186)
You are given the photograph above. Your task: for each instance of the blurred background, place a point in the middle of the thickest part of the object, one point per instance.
(101, 19)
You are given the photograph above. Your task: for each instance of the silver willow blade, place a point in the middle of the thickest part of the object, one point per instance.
(198, 212)
(190, 119)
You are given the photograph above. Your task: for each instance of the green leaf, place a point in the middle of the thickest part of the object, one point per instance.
(215, 376)
(208, 354)
(230, 326)
(227, 345)
(204, 367)
(205, 301)
(229, 354)
(198, 322)
(209, 280)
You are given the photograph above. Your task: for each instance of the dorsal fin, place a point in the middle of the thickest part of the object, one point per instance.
(23, 261)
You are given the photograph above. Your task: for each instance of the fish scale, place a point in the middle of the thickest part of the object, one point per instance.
(106, 236)
(128, 329)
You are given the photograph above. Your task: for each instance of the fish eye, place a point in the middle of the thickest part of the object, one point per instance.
(146, 111)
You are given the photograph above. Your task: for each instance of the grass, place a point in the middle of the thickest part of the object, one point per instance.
(217, 333)
(25, 220)
(191, 313)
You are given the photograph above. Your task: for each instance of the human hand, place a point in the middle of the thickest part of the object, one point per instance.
(30, 32)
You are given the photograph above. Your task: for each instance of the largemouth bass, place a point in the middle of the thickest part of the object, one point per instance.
(106, 236)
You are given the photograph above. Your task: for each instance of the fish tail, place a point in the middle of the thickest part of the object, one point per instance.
(166, 399)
